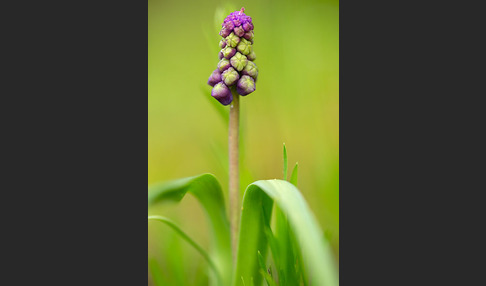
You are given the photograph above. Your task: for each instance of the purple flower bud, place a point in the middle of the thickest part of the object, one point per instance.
(232, 40)
(223, 65)
(222, 93)
(246, 26)
(229, 25)
(222, 43)
(249, 35)
(237, 23)
(220, 55)
(224, 32)
(246, 85)
(215, 77)
(238, 61)
(239, 31)
(228, 52)
(230, 76)
(251, 56)
(251, 70)
(244, 47)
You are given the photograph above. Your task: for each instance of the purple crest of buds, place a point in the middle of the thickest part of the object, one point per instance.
(215, 77)
(222, 93)
(246, 85)
(239, 16)
(230, 76)
(237, 22)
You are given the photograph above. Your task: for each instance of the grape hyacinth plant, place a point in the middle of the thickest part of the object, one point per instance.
(235, 75)
(300, 253)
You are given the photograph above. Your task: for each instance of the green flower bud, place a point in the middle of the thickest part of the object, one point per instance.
(246, 85)
(251, 56)
(232, 40)
(238, 61)
(228, 52)
(249, 35)
(230, 76)
(244, 47)
(222, 43)
(251, 70)
(223, 65)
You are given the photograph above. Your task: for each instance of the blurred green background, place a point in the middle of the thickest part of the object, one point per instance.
(296, 101)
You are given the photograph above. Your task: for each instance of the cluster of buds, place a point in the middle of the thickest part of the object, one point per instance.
(236, 69)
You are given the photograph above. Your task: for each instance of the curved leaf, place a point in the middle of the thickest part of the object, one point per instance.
(208, 192)
(257, 204)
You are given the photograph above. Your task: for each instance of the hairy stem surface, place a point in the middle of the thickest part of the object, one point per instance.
(234, 175)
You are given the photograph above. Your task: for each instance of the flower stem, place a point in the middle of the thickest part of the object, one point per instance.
(234, 174)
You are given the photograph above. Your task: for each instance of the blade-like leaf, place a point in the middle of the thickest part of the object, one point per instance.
(285, 163)
(178, 230)
(208, 192)
(315, 251)
(275, 248)
(263, 271)
(287, 270)
(293, 177)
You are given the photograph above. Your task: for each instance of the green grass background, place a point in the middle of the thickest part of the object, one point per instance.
(296, 101)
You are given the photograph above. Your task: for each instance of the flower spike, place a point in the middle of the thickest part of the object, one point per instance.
(236, 69)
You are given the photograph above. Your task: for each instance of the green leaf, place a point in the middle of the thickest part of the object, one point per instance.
(288, 274)
(275, 248)
(315, 250)
(252, 236)
(261, 261)
(293, 177)
(285, 163)
(156, 273)
(208, 192)
(177, 229)
(263, 271)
